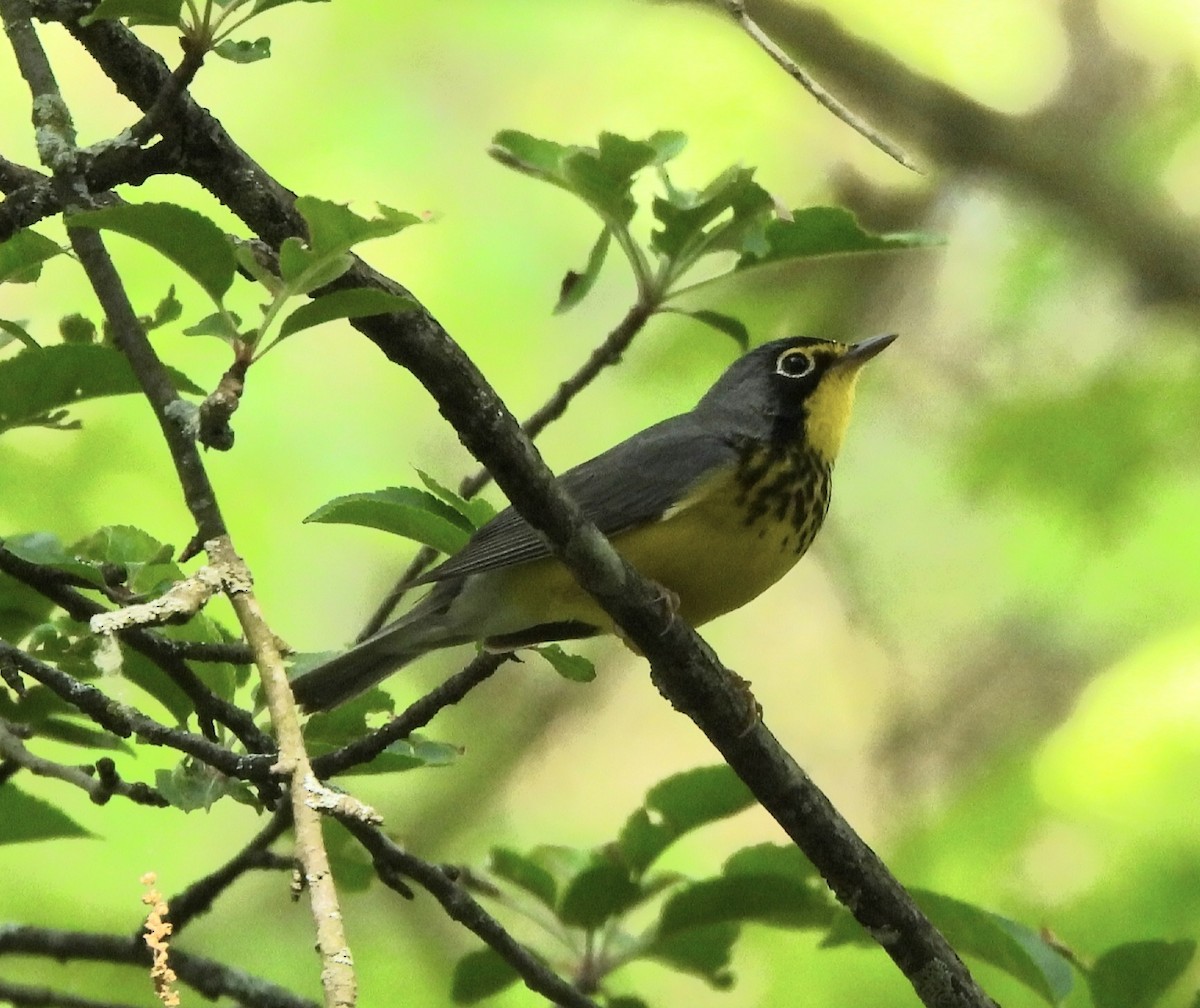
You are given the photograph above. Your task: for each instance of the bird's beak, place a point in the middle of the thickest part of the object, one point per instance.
(860, 353)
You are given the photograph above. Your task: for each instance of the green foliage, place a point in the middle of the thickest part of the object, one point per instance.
(1138, 974)
(38, 385)
(732, 214)
(24, 818)
(406, 511)
(572, 667)
(21, 257)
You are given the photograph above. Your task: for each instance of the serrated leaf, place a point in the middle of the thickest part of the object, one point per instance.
(575, 286)
(150, 12)
(731, 203)
(601, 891)
(334, 227)
(34, 382)
(476, 510)
(22, 255)
(222, 324)
(124, 544)
(353, 303)
(403, 511)
(1138, 974)
(572, 667)
(24, 818)
(243, 51)
(678, 805)
(726, 324)
(190, 240)
(822, 231)
(1005, 944)
(525, 873)
(480, 974)
(13, 331)
(47, 550)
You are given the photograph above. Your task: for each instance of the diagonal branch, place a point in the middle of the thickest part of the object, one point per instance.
(391, 859)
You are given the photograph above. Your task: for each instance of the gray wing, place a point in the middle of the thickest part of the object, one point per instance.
(658, 467)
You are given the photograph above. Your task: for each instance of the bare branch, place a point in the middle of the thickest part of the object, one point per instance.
(794, 70)
(463, 907)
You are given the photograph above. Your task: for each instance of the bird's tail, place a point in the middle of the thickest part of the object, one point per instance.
(375, 658)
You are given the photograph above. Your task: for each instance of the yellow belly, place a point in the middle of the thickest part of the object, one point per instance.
(703, 551)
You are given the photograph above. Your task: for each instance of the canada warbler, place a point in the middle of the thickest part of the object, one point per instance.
(716, 505)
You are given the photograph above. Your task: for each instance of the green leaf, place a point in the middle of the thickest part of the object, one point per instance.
(477, 510)
(34, 382)
(353, 303)
(244, 52)
(784, 860)
(47, 550)
(21, 257)
(667, 144)
(703, 951)
(1005, 944)
(222, 324)
(192, 785)
(1138, 974)
(83, 734)
(403, 511)
(151, 12)
(480, 974)
(733, 203)
(678, 805)
(601, 891)
(18, 333)
(334, 227)
(777, 900)
(726, 324)
(167, 310)
(21, 609)
(822, 231)
(601, 176)
(266, 5)
(126, 545)
(575, 286)
(76, 328)
(24, 818)
(525, 873)
(573, 667)
(190, 240)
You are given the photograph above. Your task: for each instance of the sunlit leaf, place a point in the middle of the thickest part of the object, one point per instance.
(403, 511)
(822, 231)
(344, 304)
(477, 510)
(575, 286)
(241, 51)
(572, 667)
(190, 240)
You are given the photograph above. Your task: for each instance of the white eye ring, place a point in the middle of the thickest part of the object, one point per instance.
(794, 363)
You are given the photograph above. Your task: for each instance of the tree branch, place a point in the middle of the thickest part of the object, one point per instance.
(605, 355)
(416, 715)
(737, 9)
(463, 907)
(208, 977)
(98, 788)
(22, 996)
(199, 897)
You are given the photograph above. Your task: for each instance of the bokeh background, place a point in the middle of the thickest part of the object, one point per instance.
(991, 658)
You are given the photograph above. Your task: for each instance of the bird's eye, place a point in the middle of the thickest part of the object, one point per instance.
(794, 364)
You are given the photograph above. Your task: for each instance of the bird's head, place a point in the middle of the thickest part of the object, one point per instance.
(790, 387)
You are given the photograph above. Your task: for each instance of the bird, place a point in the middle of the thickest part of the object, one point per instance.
(715, 505)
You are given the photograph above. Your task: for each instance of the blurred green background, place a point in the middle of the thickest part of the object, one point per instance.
(989, 660)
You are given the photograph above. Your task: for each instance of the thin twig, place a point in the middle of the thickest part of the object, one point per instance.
(100, 787)
(198, 898)
(463, 907)
(125, 721)
(737, 8)
(609, 352)
(23, 996)
(210, 978)
(416, 715)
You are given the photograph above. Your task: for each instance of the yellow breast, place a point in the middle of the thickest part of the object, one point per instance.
(733, 537)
